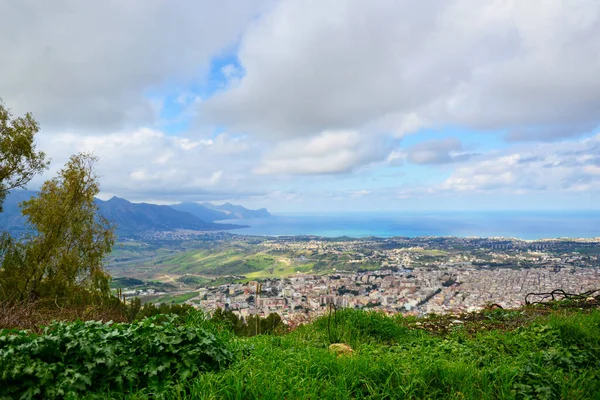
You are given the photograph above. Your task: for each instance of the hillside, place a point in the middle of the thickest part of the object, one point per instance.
(212, 212)
(231, 259)
(238, 212)
(549, 351)
(11, 219)
(200, 211)
(131, 218)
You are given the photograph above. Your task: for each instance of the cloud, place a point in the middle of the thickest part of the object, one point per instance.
(528, 68)
(148, 164)
(562, 167)
(313, 96)
(360, 193)
(437, 151)
(91, 65)
(549, 133)
(330, 152)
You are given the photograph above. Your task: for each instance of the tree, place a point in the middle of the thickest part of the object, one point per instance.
(62, 255)
(19, 160)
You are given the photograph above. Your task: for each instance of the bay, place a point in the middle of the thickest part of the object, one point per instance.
(515, 224)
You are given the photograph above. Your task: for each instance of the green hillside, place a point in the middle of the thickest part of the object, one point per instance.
(234, 259)
(529, 353)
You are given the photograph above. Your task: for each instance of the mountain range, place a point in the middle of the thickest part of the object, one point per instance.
(212, 212)
(133, 219)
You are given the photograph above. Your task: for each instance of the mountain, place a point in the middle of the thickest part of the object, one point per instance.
(139, 217)
(238, 212)
(130, 218)
(200, 211)
(11, 219)
(212, 212)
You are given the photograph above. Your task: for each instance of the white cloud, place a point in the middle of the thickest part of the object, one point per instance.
(437, 151)
(146, 163)
(529, 67)
(552, 168)
(327, 153)
(91, 64)
(322, 91)
(360, 193)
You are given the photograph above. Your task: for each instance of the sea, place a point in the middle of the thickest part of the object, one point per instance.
(511, 224)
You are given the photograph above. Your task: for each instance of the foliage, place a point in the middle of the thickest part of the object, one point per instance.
(71, 359)
(176, 298)
(19, 160)
(555, 356)
(35, 315)
(136, 311)
(251, 326)
(62, 256)
(121, 283)
(193, 280)
(356, 326)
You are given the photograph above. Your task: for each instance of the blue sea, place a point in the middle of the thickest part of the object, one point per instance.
(522, 224)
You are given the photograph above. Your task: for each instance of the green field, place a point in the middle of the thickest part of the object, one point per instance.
(502, 354)
(177, 298)
(232, 260)
(217, 263)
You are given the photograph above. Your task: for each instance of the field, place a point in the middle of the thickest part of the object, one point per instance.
(172, 298)
(137, 260)
(514, 354)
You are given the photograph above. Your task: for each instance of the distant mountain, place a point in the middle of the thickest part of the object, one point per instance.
(238, 212)
(200, 211)
(213, 212)
(130, 218)
(139, 217)
(11, 219)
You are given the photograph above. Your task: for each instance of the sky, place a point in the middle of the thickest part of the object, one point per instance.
(316, 105)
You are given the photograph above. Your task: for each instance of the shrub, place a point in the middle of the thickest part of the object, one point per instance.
(69, 359)
(351, 326)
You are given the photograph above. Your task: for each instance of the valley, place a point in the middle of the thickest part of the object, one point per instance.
(300, 275)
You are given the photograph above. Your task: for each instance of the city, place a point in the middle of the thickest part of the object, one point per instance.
(300, 277)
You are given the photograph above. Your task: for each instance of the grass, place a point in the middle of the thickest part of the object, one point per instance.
(177, 298)
(213, 263)
(235, 260)
(280, 270)
(544, 355)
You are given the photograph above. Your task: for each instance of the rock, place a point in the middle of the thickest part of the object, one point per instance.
(341, 349)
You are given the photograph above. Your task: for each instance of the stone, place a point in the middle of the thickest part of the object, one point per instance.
(341, 349)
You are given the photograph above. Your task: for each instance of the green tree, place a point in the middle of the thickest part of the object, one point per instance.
(62, 255)
(19, 160)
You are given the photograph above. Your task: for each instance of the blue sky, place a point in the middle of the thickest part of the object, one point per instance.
(321, 106)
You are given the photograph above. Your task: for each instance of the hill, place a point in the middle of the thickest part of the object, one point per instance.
(11, 219)
(213, 212)
(536, 352)
(238, 212)
(201, 211)
(131, 218)
(234, 258)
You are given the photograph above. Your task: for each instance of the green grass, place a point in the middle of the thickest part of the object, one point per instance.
(175, 298)
(239, 260)
(546, 357)
(212, 263)
(122, 283)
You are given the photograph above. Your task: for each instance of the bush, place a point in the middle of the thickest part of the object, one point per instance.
(70, 359)
(351, 326)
